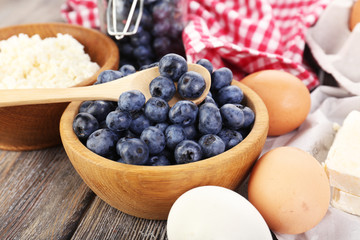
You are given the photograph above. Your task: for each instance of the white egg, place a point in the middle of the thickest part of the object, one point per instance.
(212, 212)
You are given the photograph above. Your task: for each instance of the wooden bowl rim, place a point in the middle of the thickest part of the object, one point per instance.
(112, 51)
(107, 57)
(260, 128)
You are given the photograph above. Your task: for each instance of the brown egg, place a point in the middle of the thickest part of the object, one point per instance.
(290, 189)
(286, 97)
(354, 15)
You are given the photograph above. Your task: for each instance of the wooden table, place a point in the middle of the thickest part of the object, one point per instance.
(41, 195)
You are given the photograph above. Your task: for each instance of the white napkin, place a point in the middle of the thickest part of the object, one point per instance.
(336, 48)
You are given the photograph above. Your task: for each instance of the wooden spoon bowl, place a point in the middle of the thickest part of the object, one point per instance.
(37, 126)
(149, 191)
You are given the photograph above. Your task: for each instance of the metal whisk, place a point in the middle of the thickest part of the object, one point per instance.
(112, 23)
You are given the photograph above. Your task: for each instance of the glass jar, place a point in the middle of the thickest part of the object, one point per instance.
(144, 30)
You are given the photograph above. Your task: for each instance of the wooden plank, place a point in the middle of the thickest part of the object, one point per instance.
(102, 221)
(41, 195)
(24, 11)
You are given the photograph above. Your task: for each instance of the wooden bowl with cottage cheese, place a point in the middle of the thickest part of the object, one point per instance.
(47, 55)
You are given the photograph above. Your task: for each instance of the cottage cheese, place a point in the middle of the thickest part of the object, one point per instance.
(32, 62)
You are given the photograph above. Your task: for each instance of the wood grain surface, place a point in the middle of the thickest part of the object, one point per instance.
(41, 195)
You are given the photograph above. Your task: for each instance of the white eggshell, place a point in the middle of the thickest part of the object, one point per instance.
(212, 212)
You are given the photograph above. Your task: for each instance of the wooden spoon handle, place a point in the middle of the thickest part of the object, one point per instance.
(106, 91)
(16, 97)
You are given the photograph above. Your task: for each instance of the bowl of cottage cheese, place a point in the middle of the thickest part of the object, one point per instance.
(47, 55)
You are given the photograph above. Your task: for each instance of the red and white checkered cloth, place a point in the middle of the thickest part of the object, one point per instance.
(244, 35)
(81, 12)
(252, 35)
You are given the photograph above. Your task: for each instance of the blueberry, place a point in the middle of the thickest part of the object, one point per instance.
(131, 101)
(84, 124)
(100, 109)
(141, 38)
(125, 61)
(146, 61)
(139, 123)
(174, 134)
(162, 87)
(127, 69)
(118, 120)
(120, 160)
(244, 131)
(159, 160)
(129, 134)
(113, 156)
(102, 142)
(162, 11)
(230, 137)
(133, 151)
(176, 29)
(206, 64)
(191, 132)
(148, 2)
(143, 52)
(120, 134)
(249, 115)
(84, 105)
(173, 66)
(220, 78)
(162, 126)
(154, 64)
(184, 112)
(161, 28)
(161, 45)
(191, 85)
(146, 19)
(108, 76)
(121, 140)
(126, 49)
(187, 151)
(156, 109)
(209, 99)
(229, 94)
(211, 145)
(232, 116)
(210, 121)
(169, 154)
(102, 124)
(154, 139)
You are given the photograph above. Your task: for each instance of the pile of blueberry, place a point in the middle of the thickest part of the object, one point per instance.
(140, 132)
(159, 32)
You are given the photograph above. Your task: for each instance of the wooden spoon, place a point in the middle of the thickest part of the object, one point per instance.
(106, 91)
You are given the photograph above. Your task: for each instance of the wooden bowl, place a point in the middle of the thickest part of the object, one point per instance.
(37, 126)
(149, 191)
